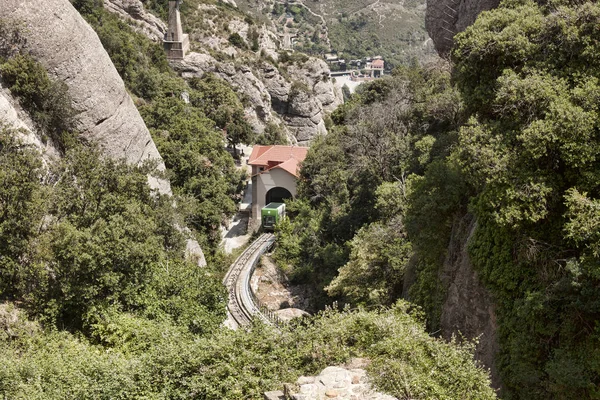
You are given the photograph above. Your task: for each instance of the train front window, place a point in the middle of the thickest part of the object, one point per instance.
(269, 220)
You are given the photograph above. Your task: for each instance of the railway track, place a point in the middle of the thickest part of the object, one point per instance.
(243, 305)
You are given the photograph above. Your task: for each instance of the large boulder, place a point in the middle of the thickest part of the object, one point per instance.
(60, 39)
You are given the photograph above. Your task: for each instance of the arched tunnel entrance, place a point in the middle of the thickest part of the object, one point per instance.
(277, 195)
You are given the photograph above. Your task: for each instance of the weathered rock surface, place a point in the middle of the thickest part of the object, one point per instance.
(11, 116)
(315, 74)
(335, 383)
(145, 22)
(240, 77)
(446, 18)
(468, 308)
(267, 90)
(58, 37)
(287, 314)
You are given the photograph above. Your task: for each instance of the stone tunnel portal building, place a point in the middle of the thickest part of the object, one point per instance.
(275, 170)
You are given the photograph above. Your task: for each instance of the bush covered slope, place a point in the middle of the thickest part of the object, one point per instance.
(97, 298)
(510, 136)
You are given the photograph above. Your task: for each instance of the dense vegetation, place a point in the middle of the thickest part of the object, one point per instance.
(361, 183)
(132, 357)
(530, 151)
(509, 139)
(97, 298)
(189, 136)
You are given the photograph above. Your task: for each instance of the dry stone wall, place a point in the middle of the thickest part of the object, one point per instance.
(333, 383)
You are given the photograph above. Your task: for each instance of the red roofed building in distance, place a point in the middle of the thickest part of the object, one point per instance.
(377, 68)
(275, 170)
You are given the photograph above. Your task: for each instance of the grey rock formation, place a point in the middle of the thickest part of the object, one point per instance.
(241, 78)
(315, 74)
(304, 117)
(12, 116)
(58, 37)
(267, 90)
(468, 308)
(144, 22)
(445, 18)
(287, 314)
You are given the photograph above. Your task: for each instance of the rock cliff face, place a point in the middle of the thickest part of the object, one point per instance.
(446, 18)
(272, 97)
(300, 106)
(468, 308)
(12, 116)
(58, 37)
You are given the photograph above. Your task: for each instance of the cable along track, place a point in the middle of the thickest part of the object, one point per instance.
(243, 305)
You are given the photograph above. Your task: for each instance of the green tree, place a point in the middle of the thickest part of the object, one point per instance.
(530, 152)
(46, 101)
(22, 209)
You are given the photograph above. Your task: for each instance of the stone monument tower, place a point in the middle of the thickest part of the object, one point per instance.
(176, 43)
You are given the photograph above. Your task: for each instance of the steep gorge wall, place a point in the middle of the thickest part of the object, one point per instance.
(468, 308)
(58, 37)
(446, 18)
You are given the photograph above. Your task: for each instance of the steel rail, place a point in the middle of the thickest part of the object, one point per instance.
(243, 305)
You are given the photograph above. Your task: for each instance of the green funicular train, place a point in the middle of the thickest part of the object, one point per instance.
(271, 214)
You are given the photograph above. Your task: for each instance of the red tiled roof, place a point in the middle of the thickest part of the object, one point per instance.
(377, 64)
(284, 157)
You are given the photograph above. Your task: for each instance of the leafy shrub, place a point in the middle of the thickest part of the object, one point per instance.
(47, 102)
(236, 40)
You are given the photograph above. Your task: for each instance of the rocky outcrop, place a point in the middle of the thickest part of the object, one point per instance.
(304, 116)
(58, 37)
(301, 105)
(332, 383)
(315, 74)
(144, 22)
(12, 116)
(240, 77)
(468, 308)
(446, 18)
(269, 94)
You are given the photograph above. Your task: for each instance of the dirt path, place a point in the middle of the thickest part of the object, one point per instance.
(373, 7)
